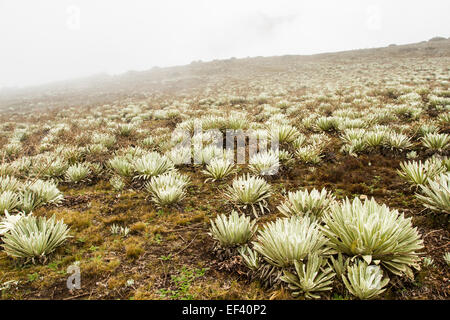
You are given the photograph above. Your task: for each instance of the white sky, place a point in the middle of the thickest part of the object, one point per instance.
(48, 40)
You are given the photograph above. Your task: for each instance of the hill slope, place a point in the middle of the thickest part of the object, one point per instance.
(326, 69)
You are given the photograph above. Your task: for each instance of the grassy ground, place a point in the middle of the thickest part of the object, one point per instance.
(168, 253)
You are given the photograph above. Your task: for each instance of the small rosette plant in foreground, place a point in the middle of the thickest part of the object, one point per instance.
(437, 142)
(180, 155)
(34, 238)
(436, 195)
(250, 191)
(167, 189)
(117, 183)
(374, 139)
(397, 141)
(9, 183)
(364, 281)
(312, 204)
(121, 166)
(418, 173)
(77, 173)
(9, 200)
(289, 239)
(283, 133)
(313, 276)
(264, 163)
(373, 232)
(232, 231)
(446, 258)
(151, 164)
(9, 221)
(39, 193)
(219, 169)
(309, 154)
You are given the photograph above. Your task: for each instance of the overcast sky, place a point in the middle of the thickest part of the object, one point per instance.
(48, 40)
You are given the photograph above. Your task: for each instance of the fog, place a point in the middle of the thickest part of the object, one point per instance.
(48, 40)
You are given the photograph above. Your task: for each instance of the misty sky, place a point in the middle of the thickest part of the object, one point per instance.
(48, 40)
